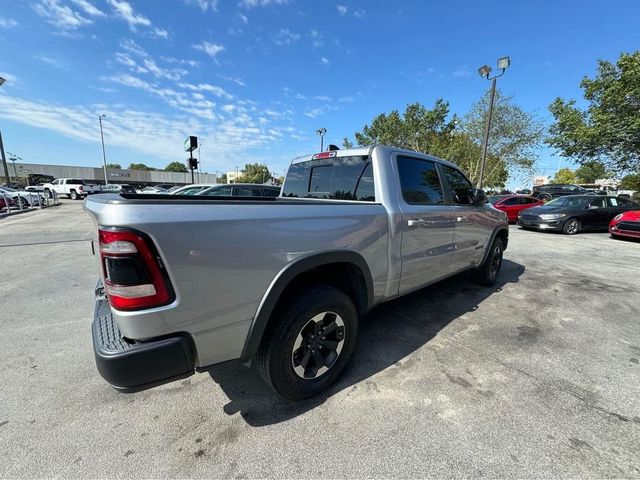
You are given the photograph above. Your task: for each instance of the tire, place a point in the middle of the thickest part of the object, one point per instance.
(285, 347)
(22, 201)
(74, 195)
(487, 273)
(545, 197)
(48, 193)
(571, 226)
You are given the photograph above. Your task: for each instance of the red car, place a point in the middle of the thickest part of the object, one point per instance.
(626, 224)
(513, 204)
(3, 204)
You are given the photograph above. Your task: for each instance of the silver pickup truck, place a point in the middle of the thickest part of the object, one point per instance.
(189, 282)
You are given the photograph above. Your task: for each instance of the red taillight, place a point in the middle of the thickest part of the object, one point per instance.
(319, 156)
(133, 275)
(80, 187)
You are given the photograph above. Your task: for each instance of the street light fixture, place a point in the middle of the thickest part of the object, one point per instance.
(322, 132)
(503, 63)
(4, 159)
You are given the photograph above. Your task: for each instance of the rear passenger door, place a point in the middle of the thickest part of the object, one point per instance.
(472, 224)
(245, 191)
(427, 223)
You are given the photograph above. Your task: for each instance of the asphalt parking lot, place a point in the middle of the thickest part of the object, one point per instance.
(535, 377)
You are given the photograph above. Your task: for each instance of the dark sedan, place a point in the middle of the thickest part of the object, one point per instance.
(576, 213)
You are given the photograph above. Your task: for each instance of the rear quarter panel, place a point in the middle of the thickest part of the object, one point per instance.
(222, 259)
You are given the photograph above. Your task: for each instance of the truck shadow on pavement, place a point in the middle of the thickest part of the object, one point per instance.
(388, 334)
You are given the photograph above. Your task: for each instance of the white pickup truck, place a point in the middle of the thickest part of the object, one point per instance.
(73, 188)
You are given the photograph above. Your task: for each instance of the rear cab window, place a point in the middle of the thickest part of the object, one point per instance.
(419, 181)
(335, 178)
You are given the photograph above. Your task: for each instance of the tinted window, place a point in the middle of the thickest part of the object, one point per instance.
(598, 202)
(419, 181)
(270, 192)
(246, 192)
(75, 181)
(461, 189)
(365, 190)
(218, 192)
(332, 178)
(510, 201)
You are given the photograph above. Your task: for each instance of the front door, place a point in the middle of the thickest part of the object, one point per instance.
(473, 224)
(427, 224)
(597, 215)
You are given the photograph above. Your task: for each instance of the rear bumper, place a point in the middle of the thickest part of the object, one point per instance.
(131, 366)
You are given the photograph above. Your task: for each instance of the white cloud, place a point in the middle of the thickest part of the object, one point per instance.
(124, 10)
(211, 49)
(285, 37)
(462, 71)
(7, 22)
(359, 13)
(161, 32)
(317, 39)
(314, 113)
(9, 78)
(324, 61)
(89, 8)
(206, 87)
(59, 15)
(342, 9)
(180, 61)
(204, 4)
(243, 18)
(261, 3)
(54, 62)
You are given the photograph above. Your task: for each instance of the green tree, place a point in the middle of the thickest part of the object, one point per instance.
(591, 171)
(114, 165)
(176, 167)
(140, 166)
(631, 182)
(608, 129)
(254, 173)
(514, 138)
(222, 178)
(564, 175)
(346, 143)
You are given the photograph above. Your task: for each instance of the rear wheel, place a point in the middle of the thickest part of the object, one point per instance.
(23, 202)
(487, 273)
(311, 343)
(571, 226)
(74, 195)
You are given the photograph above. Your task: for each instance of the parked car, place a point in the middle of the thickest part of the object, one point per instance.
(118, 188)
(240, 190)
(5, 204)
(35, 188)
(281, 282)
(73, 188)
(152, 190)
(572, 214)
(625, 224)
(26, 199)
(524, 191)
(165, 186)
(512, 205)
(551, 191)
(192, 189)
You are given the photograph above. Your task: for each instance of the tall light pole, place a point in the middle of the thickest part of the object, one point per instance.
(104, 155)
(322, 132)
(4, 159)
(237, 173)
(485, 71)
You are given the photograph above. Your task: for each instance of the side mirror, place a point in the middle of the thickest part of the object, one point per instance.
(478, 197)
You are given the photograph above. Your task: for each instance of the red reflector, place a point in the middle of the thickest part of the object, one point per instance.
(138, 281)
(319, 156)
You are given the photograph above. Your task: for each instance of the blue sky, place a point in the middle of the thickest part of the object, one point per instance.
(254, 79)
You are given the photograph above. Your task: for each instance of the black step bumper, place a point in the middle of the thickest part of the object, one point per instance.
(131, 366)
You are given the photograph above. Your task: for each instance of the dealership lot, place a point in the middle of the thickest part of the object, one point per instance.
(535, 377)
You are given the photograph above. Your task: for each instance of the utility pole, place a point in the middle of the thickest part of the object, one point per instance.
(484, 71)
(4, 161)
(322, 132)
(237, 174)
(104, 154)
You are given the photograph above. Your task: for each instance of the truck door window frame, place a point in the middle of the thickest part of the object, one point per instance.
(443, 200)
(449, 193)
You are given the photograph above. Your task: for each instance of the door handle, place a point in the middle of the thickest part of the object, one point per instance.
(415, 222)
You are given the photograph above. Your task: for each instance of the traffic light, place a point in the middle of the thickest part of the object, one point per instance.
(193, 163)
